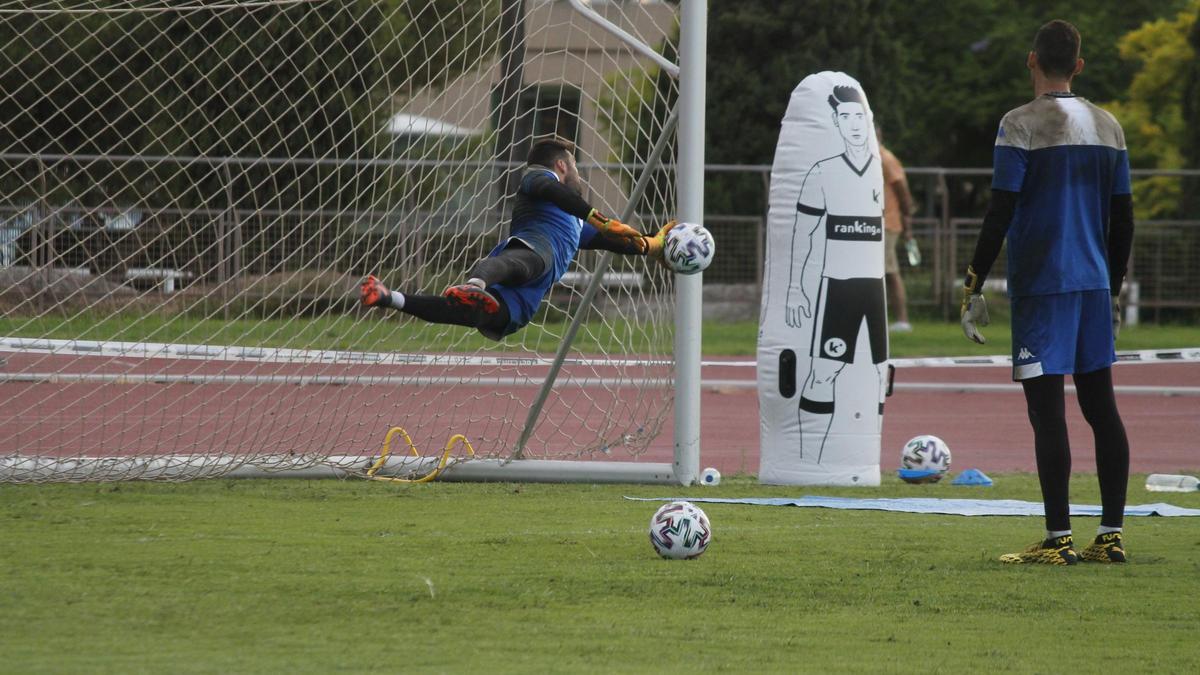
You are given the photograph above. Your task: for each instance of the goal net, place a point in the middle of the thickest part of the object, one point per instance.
(190, 193)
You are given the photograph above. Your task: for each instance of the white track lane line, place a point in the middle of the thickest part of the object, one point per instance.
(583, 382)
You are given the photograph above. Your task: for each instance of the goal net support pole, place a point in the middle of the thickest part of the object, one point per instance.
(692, 56)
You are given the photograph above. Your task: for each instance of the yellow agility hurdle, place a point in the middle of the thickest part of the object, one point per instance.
(437, 470)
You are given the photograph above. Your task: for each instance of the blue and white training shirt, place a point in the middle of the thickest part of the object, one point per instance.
(1066, 158)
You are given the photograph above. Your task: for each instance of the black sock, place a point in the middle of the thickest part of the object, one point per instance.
(1047, 413)
(1099, 406)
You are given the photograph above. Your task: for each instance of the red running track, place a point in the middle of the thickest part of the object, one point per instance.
(987, 430)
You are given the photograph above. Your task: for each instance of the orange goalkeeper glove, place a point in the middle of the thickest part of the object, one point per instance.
(618, 232)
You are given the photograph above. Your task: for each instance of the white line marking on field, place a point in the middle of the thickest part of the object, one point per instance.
(159, 350)
(467, 381)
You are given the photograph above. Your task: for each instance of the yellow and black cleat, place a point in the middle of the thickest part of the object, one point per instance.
(1106, 548)
(1057, 551)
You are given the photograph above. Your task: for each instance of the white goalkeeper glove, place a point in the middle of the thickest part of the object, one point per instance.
(974, 308)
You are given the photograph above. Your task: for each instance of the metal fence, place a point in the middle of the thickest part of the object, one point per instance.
(1164, 269)
(181, 247)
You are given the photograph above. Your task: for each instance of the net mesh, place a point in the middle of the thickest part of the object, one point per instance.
(192, 191)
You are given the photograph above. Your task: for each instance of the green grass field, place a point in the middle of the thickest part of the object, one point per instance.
(351, 576)
(331, 576)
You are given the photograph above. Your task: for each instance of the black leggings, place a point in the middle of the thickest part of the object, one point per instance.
(440, 309)
(1047, 413)
(517, 264)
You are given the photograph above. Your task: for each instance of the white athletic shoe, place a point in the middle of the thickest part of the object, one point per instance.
(901, 327)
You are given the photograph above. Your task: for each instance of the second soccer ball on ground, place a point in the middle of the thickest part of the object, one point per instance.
(924, 459)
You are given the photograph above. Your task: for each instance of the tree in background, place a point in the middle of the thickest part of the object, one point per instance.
(758, 51)
(939, 75)
(1152, 110)
(966, 60)
(1191, 125)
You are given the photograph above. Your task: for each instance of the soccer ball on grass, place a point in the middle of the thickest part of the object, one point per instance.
(679, 531)
(689, 248)
(924, 459)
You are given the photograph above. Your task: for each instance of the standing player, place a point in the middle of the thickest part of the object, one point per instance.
(897, 223)
(1061, 194)
(841, 194)
(551, 222)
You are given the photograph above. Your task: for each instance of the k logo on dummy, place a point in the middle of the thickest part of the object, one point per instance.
(822, 347)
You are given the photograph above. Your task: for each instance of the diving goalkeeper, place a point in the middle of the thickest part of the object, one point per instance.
(550, 223)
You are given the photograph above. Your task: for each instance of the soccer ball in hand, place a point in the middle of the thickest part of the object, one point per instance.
(925, 459)
(679, 531)
(689, 248)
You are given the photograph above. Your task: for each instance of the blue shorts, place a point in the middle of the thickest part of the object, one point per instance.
(522, 301)
(1062, 334)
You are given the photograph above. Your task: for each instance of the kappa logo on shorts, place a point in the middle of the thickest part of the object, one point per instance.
(1025, 354)
(835, 346)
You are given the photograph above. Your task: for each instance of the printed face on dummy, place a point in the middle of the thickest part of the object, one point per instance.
(851, 121)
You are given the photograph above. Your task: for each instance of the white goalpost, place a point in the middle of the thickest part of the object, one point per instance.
(190, 193)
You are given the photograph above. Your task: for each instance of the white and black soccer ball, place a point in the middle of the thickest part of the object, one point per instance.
(689, 248)
(924, 459)
(680, 531)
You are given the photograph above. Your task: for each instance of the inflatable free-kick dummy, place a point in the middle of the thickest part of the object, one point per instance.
(822, 338)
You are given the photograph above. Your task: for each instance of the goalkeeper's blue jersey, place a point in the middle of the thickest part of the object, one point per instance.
(553, 234)
(1066, 158)
(544, 226)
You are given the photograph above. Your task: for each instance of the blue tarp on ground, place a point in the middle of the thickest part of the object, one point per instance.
(953, 507)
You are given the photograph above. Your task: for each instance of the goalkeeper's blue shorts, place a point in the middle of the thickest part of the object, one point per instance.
(522, 301)
(1061, 334)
